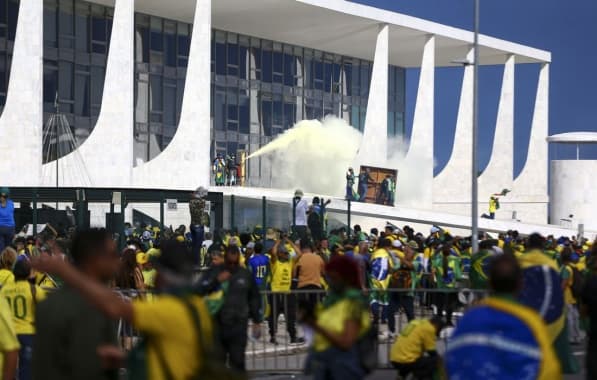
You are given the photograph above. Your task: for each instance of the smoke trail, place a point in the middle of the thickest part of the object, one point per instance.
(314, 156)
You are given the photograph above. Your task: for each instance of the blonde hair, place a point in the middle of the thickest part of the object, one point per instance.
(8, 257)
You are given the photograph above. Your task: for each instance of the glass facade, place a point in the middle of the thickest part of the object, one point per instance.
(161, 57)
(9, 12)
(76, 42)
(261, 88)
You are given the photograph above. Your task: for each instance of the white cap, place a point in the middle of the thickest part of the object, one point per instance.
(396, 243)
(434, 229)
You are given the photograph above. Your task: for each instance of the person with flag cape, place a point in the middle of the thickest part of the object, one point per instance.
(542, 292)
(500, 338)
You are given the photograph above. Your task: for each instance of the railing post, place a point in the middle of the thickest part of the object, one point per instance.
(162, 211)
(348, 217)
(264, 216)
(292, 225)
(34, 216)
(122, 219)
(232, 211)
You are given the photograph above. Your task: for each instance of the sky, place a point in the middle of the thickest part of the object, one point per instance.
(567, 28)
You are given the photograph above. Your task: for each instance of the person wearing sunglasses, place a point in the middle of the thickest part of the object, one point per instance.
(7, 218)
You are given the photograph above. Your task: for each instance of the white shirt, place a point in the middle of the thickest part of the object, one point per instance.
(300, 218)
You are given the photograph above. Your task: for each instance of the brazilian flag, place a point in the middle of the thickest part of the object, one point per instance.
(542, 292)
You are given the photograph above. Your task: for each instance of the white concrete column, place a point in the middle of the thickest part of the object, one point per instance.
(452, 186)
(374, 146)
(104, 162)
(21, 121)
(499, 172)
(256, 127)
(530, 187)
(419, 157)
(185, 163)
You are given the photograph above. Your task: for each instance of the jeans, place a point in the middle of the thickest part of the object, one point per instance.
(446, 303)
(362, 193)
(233, 342)
(197, 233)
(6, 235)
(574, 334)
(349, 192)
(335, 364)
(24, 369)
(397, 300)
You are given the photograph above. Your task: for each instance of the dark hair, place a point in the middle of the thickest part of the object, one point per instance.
(258, 248)
(384, 242)
(566, 255)
(125, 279)
(87, 243)
(347, 268)
(505, 274)
(176, 256)
(357, 228)
(22, 269)
(535, 241)
(307, 243)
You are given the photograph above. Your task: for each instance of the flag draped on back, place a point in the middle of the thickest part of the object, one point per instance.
(500, 339)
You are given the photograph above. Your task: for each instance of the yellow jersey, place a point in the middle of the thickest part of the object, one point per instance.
(281, 275)
(334, 317)
(22, 304)
(8, 337)
(567, 274)
(415, 339)
(166, 321)
(6, 277)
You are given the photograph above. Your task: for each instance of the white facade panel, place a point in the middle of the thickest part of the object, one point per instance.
(22, 119)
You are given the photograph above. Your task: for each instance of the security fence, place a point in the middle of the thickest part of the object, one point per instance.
(281, 311)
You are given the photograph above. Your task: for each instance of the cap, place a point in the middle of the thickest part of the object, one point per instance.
(298, 193)
(434, 229)
(396, 243)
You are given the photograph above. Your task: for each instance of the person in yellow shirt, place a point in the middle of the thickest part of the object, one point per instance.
(280, 300)
(415, 349)
(178, 329)
(22, 298)
(9, 345)
(8, 258)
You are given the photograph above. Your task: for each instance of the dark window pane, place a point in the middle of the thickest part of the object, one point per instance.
(266, 117)
(65, 80)
(3, 73)
(155, 84)
(170, 105)
(81, 32)
(170, 50)
(13, 13)
(219, 105)
(184, 45)
(243, 114)
(221, 59)
(243, 59)
(98, 29)
(278, 117)
(50, 27)
(82, 95)
(97, 85)
(50, 84)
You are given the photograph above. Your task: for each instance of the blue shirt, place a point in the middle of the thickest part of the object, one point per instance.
(259, 266)
(7, 214)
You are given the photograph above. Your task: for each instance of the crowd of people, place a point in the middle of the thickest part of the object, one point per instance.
(66, 296)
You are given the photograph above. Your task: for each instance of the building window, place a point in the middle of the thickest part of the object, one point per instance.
(9, 12)
(76, 39)
(161, 58)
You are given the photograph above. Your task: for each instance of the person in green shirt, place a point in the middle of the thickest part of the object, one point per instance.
(446, 271)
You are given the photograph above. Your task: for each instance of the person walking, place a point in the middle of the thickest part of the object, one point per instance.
(240, 302)
(23, 298)
(7, 218)
(340, 322)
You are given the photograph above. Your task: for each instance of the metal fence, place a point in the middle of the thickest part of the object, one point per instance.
(281, 312)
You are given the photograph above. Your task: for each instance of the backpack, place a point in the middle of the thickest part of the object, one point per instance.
(212, 367)
(577, 282)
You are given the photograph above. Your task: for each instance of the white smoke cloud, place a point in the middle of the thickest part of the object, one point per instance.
(314, 156)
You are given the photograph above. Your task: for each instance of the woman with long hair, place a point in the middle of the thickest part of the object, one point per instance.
(129, 280)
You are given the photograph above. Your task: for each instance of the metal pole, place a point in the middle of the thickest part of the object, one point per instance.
(162, 212)
(264, 216)
(34, 216)
(348, 217)
(232, 211)
(474, 166)
(292, 225)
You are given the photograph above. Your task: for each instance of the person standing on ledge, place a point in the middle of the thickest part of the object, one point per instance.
(7, 218)
(350, 178)
(364, 180)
